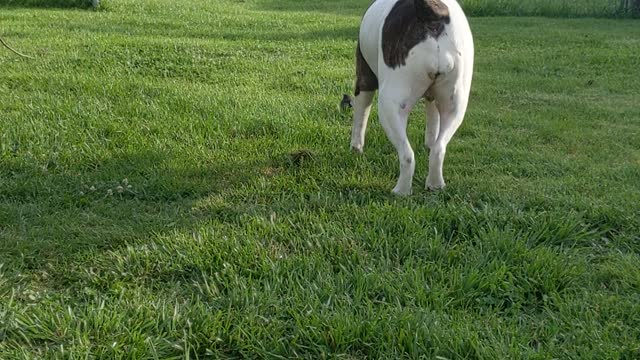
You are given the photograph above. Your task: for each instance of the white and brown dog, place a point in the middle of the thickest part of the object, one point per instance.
(412, 49)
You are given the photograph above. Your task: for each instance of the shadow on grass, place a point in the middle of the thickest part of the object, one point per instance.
(166, 30)
(50, 215)
(487, 8)
(340, 7)
(59, 214)
(51, 4)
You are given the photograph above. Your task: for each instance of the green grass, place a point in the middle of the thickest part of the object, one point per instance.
(47, 3)
(550, 8)
(222, 244)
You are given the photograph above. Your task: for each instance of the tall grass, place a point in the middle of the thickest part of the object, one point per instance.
(550, 8)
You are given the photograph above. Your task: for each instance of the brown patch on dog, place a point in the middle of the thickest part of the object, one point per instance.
(431, 10)
(366, 80)
(409, 23)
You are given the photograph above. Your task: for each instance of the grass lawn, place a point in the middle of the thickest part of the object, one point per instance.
(176, 181)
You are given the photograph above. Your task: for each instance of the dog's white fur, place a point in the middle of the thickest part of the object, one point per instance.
(438, 69)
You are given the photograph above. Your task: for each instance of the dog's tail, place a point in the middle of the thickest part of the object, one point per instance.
(346, 103)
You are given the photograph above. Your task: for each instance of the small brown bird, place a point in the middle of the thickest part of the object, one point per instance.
(346, 102)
